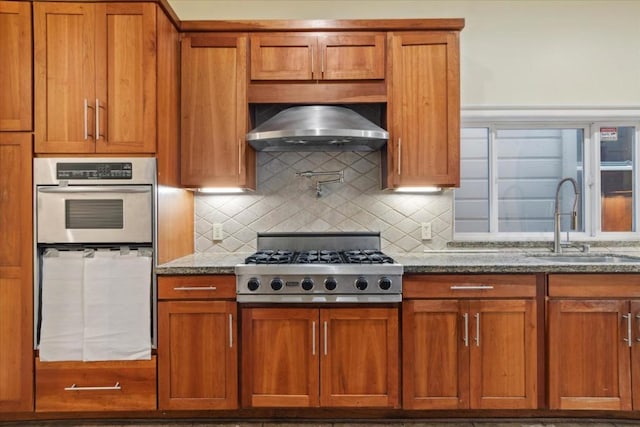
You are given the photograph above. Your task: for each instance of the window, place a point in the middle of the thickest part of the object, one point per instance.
(510, 174)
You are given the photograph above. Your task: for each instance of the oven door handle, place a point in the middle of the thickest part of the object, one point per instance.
(96, 189)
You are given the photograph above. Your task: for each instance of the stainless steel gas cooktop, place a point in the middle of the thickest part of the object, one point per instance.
(319, 268)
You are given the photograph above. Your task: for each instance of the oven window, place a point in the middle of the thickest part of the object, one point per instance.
(94, 214)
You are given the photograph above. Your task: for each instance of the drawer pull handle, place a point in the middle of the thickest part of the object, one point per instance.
(195, 288)
(470, 287)
(74, 387)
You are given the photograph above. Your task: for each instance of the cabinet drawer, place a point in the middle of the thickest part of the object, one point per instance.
(197, 287)
(469, 286)
(96, 386)
(594, 285)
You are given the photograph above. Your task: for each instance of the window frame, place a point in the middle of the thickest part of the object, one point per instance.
(590, 121)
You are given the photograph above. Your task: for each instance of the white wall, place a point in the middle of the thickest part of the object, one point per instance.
(514, 53)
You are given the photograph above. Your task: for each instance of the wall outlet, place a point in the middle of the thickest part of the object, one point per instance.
(425, 230)
(218, 231)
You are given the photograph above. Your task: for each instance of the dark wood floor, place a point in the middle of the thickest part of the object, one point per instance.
(213, 423)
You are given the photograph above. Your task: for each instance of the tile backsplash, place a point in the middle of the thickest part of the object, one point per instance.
(284, 201)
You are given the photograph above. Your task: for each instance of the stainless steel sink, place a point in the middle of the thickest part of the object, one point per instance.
(586, 259)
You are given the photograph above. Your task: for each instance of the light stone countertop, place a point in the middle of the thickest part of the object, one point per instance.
(446, 261)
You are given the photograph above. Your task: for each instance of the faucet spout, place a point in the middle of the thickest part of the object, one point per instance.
(557, 247)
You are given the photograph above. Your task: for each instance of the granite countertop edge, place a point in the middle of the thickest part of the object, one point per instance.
(446, 261)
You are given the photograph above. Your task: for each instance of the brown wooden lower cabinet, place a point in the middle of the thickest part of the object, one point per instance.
(96, 386)
(465, 347)
(328, 357)
(594, 347)
(16, 277)
(197, 343)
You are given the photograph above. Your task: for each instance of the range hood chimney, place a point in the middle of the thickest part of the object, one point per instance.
(317, 128)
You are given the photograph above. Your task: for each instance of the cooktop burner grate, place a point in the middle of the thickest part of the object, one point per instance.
(367, 256)
(270, 257)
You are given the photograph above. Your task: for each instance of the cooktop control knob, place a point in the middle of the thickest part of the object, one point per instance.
(384, 283)
(276, 284)
(307, 284)
(253, 284)
(361, 283)
(330, 284)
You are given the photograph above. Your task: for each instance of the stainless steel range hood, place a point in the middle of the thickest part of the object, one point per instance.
(317, 128)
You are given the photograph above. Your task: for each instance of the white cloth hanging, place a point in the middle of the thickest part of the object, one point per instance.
(117, 296)
(62, 331)
(96, 308)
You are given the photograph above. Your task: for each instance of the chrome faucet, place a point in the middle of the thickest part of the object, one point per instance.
(557, 247)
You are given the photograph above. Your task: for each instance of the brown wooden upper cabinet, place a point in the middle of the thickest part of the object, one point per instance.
(318, 56)
(423, 109)
(95, 77)
(214, 112)
(16, 70)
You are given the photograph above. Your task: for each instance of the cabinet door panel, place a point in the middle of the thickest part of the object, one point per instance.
(359, 357)
(16, 279)
(435, 355)
(353, 56)
(214, 112)
(589, 362)
(16, 70)
(64, 77)
(126, 81)
(197, 355)
(282, 56)
(279, 357)
(424, 110)
(503, 354)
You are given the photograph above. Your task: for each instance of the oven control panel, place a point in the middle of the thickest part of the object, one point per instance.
(98, 170)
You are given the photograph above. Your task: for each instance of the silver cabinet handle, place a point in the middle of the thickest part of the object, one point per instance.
(466, 329)
(97, 119)
(470, 287)
(313, 53)
(399, 155)
(240, 155)
(74, 387)
(637, 319)
(477, 338)
(628, 338)
(230, 330)
(86, 119)
(195, 288)
(325, 337)
(313, 338)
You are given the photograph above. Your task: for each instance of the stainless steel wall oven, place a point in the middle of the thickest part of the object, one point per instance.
(94, 246)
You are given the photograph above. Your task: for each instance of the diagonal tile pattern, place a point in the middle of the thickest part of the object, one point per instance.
(286, 202)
